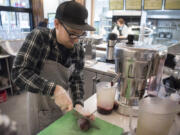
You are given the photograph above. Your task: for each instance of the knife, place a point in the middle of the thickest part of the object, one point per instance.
(78, 116)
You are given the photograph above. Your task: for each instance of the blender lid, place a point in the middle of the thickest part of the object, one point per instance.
(158, 105)
(112, 36)
(134, 53)
(139, 51)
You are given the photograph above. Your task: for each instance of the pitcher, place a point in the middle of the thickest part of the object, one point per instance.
(156, 116)
(105, 97)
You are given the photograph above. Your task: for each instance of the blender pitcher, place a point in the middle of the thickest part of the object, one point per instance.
(105, 97)
(156, 116)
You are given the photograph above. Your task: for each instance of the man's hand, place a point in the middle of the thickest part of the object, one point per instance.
(84, 112)
(62, 99)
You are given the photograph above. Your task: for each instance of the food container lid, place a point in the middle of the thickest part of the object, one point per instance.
(158, 105)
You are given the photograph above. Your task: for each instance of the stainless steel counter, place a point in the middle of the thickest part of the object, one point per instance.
(100, 67)
(11, 46)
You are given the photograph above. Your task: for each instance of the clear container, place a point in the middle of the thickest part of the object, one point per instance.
(156, 116)
(105, 97)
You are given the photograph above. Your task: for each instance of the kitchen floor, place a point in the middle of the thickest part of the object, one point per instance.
(16, 108)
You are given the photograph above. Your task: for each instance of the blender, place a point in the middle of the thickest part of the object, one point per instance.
(141, 68)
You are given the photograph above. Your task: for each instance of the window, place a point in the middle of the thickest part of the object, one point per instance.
(23, 21)
(51, 17)
(4, 2)
(20, 3)
(8, 19)
(15, 3)
(15, 15)
(102, 17)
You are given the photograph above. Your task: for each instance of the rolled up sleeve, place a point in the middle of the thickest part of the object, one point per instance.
(26, 67)
(76, 79)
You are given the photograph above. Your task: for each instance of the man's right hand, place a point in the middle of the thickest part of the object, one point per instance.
(62, 99)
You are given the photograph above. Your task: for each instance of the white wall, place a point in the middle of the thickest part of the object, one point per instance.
(50, 6)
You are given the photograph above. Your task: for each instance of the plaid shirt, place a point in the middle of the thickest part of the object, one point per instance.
(41, 45)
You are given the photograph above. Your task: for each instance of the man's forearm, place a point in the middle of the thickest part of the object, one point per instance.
(30, 81)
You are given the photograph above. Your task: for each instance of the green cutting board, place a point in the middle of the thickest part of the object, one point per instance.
(67, 125)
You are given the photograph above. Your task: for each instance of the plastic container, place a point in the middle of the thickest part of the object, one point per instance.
(156, 116)
(105, 97)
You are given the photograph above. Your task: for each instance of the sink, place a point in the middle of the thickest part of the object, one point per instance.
(174, 49)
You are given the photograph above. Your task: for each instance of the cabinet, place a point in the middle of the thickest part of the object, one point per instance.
(88, 83)
(5, 77)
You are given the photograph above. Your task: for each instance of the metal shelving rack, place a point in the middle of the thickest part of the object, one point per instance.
(8, 74)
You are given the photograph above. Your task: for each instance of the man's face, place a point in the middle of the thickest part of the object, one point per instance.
(66, 35)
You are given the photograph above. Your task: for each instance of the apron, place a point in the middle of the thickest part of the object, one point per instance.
(42, 109)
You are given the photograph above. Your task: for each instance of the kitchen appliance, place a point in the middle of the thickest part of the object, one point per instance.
(89, 44)
(141, 68)
(135, 31)
(162, 34)
(165, 35)
(168, 35)
(112, 39)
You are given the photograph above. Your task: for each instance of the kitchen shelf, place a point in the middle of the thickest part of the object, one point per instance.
(6, 57)
(5, 87)
(167, 27)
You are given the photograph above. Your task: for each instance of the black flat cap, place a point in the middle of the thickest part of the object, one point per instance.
(74, 15)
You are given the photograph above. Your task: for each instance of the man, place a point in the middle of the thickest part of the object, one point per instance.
(121, 29)
(49, 63)
(43, 23)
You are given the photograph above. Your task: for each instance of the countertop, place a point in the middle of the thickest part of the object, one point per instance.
(11, 46)
(123, 121)
(114, 118)
(100, 67)
(102, 46)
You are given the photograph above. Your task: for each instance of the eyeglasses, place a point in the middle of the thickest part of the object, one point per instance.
(71, 35)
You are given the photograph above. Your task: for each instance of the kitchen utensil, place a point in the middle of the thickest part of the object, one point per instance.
(90, 42)
(112, 39)
(67, 125)
(79, 116)
(105, 97)
(156, 116)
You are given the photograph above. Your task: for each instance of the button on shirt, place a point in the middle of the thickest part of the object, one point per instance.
(41, 45)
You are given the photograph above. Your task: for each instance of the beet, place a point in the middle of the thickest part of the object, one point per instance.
(84, 124)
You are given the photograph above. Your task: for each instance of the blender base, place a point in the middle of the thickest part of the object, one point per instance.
(128, 110)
